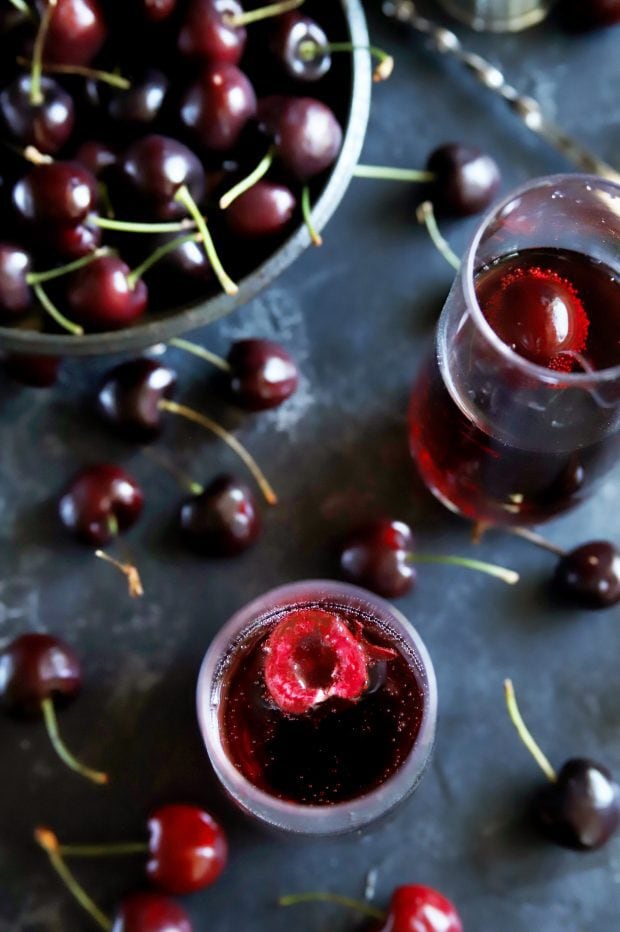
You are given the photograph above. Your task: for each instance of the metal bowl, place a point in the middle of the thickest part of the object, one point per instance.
(354, 94)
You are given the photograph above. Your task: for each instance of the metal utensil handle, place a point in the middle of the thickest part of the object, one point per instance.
(527, 108)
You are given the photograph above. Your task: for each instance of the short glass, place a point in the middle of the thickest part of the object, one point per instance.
(498, 15)
(234, 648)
(499, 438)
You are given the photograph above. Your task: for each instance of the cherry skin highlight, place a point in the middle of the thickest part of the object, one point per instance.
(313, 656)
(417, 908)
(129, 396)
(101, 296)
(48, 125)
(34, 667)
(59, 193)
(223, 520)
(141, 104)
(155, 167)
(15, 296)
(99, 502)
(263, 210)
(263, 374)
(76, 33)
(150, 912)
(188, 849)
(376, 557)
(206, 34)
(581, 810)
(466, 181)
(305, 132)
(589, 575)
(218, 105)
(293, 29)
(158, 10)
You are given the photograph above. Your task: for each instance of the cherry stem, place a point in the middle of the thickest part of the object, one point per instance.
(309, 50)
(386, 173)
(51, 723)
(23, 7)
(264, 12)
(184, 197)
(306, 210)
(106, 77)
(53, 311)
(524, 733)
(34, 278)
(32, 154)
(201, 352)
(104, 851)
(131, 226)
(194, 488)
(426, 215)
(112, 523)
(134, 583)
(36, 96)
(48, 841)
(249, 181)
(491, 569)
(183, 411)
(536, 539)
(158, 254)
(360, 907)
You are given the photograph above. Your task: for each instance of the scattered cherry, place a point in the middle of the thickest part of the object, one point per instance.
(35, 371)
(589, 575)
(263, 374)
(223, 520)
(188, 849)
(103, 296)
(15, 295)
(46, 125)
(99, 502)
(377, 557)
(217, 107)
(129, 396)
(305, 132)
(77, 31)
(466, 179)
(263, 210)
(420, 908)
(292, 30)
(150, 912)
(156, 167)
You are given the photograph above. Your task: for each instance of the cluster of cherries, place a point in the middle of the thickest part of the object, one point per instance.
(149, 155)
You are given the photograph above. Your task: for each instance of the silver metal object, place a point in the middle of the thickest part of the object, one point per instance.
(526, 108)
(498, 15)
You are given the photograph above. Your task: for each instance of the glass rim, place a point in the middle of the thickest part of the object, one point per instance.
(466, 273)
(301, 818)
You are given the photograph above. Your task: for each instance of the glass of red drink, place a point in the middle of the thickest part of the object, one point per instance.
(317, 703)
(516, 417)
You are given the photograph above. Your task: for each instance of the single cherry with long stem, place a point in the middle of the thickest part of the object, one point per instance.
(35, 670)
(580, 806)
(99, 502)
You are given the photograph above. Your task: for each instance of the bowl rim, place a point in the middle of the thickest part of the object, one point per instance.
(192, 316)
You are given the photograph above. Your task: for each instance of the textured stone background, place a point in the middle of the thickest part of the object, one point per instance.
(358, 315)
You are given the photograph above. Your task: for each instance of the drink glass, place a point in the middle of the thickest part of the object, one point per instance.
(498, 15)
(496, 437)
(224, 668)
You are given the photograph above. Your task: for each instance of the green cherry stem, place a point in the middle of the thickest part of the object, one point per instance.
(524, 733)
(184, 197)
(263, 12)
(95, 74)
(158, 254)
(201, 352)
(249, 181)
(37, 278)
(306, 210)
(183, 479)
(36, 95)
(386, 173)
(131, 226)
(309, 49)
(23, 7)
(104, 851)
(491, 569)
(426, 216)
(365, 909)
(208, 424)
(50, 308)
(51, 723)
(47, 840)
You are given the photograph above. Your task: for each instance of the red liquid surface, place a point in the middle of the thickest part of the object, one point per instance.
(478, 474)
(338, 750)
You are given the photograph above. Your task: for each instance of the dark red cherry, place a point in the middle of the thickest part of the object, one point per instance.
(15, 296)
(218, 105)
(467, 179)
(539, 315)
(101, 296)
(188, 849)
(263, 374)
(155, 167)
(590, 575)
(416, 908)
(188, 262)
(76, 33)
(96, 156)
(35, 371)
(305, 132)
(292, 29)
(141, 104)
(99, 502)
(73, 242)
(581, 810)
(58, 193)
(206, 34)
(262, 210)
(158, 10)
(47, 125)
(223, 520)
(129, 397)
(150, 912)
(590, 15)
(376, 557)
(35, 667)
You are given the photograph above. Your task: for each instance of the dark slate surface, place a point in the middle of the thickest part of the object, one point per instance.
(358, 315)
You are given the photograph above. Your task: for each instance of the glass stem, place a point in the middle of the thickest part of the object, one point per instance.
(426, 215)
(524, 733)
(53, 311)
(201, 352)
(306, 210)
(491, 569)
(183, 411)
(364, 908)
(51, 723)
(249, 181)
(183, 196)
(36, 95)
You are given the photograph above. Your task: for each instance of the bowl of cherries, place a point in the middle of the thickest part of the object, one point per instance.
(164, 160)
